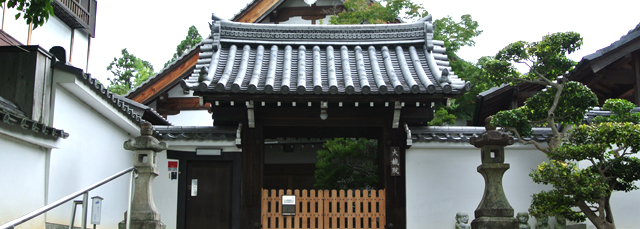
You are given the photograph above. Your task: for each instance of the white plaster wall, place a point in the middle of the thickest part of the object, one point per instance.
(191, 118)
(80, 47)
(165, 192)
(18, 29)
(92, 153)
(23, 168)
(53, 33)
(177, 91)
(442, 180)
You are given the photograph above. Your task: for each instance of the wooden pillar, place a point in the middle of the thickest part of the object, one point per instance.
(395, 186)
(636, 66)
(252, 174)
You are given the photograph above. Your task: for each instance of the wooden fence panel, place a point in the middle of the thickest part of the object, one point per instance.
(319, 209)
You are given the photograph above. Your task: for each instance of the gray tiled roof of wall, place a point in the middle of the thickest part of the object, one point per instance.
(195, 133)
(323, 59)
(463, 133)
(132, 110)
(12, 115)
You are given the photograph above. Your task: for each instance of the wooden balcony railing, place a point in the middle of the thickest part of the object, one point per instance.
(75, 7)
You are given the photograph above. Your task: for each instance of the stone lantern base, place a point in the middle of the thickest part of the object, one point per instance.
(494, 223)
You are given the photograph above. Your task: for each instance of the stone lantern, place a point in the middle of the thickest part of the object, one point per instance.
(144, 214)
(494, 211)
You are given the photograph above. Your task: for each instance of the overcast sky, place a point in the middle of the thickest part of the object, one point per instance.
(151, 30)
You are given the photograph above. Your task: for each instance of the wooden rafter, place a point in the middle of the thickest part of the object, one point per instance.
(166, 79)
(256, 10)
(172, 105)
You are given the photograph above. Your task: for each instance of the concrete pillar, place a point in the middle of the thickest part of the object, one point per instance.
(494, 211)
(144, 214)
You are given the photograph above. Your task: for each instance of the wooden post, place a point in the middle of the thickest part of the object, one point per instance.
(252, 173)
(394, 186)
(636, 66)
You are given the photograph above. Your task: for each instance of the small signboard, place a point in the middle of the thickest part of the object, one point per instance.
(288, 205)
(173, 170)
(96, 209)
(173, 166)
(395, 161)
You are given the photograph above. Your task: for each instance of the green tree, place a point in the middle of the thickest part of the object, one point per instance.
(464, 105)
(129, 71)
(442, 117)
(192, 39)
(347, 164)
(608, 146)
(33, 11)
(454, 34)
(378, 12)
(561, 104)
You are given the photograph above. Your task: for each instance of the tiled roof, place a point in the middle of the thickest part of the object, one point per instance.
(202, 133)
(463, 133)
(12, 115)
(323, 59)
(599, 111)
(631, 35)
(132, 110)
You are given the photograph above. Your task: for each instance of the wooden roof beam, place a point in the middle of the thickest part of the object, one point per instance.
(155, 88)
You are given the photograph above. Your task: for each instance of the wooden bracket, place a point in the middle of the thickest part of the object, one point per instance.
(396, 115)
(239, 136)
(250, 114)
(409, 140)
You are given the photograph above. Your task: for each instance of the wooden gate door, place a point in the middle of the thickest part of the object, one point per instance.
(208, 196)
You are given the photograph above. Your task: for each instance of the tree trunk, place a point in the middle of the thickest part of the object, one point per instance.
(599, 221)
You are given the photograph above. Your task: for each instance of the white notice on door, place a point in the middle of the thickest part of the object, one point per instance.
(194, 187)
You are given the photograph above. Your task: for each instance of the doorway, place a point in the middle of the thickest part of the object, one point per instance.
(208, 203)
(215, 201)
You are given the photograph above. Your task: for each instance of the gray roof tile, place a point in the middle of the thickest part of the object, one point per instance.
(11, 114)
(415, 69)
(130, 109)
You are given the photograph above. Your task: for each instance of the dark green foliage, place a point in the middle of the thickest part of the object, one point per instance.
(463, 106)
(620, 107)
(191, 40)
(562, 102)
(608, 144)
(378, 12)
(442, 117)
(33, 11)
(571, 108)
(129, 71)
(546, 58)
(347, 164)
(609, 147)
(456, 34)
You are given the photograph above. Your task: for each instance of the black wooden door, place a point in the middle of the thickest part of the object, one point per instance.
(208, 196)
